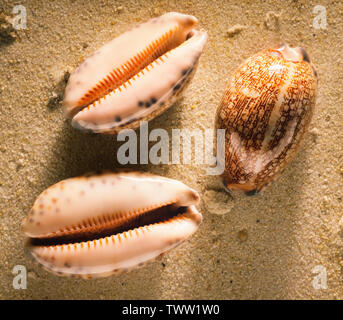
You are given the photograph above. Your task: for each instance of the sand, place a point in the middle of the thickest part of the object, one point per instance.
(262, 247)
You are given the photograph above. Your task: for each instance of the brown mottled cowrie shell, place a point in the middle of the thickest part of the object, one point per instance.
(265, 110)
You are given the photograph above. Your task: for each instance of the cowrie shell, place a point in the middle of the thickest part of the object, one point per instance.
(266, 110)
(136, 76)
(98, 225)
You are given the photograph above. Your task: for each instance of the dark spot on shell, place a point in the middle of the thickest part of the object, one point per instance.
(140, 103)
(147, 104)
(117, 119)
(67, 265)
(184, 72)
(153, 100)
(252, 193)
(177, 87)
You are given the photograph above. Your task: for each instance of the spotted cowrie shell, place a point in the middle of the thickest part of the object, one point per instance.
(99, 225)
(136, 76)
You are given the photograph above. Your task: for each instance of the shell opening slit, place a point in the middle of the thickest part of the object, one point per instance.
(105, 227)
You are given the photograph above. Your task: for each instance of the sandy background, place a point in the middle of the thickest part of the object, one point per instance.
(262, 247)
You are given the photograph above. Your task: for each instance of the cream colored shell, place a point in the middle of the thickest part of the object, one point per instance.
(136, 76)
(99, 225)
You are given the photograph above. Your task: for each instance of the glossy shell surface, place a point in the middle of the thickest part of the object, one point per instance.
(136, 76)
(266, 110)
(103, 224)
